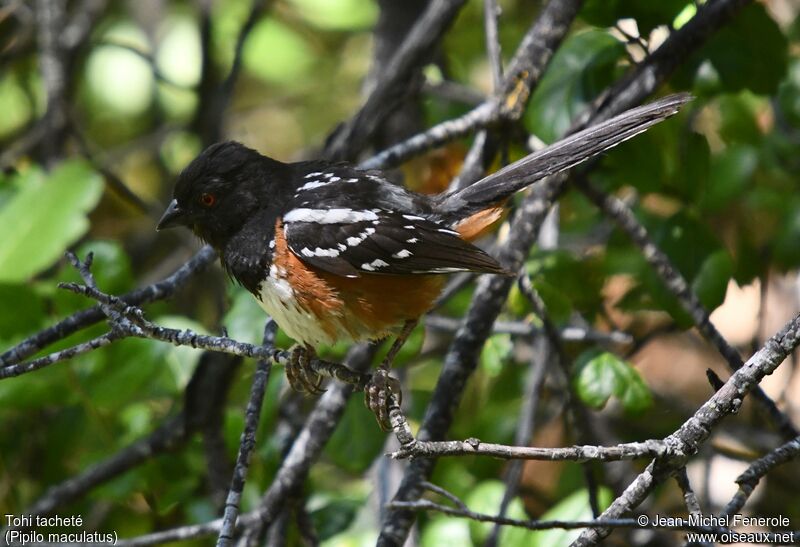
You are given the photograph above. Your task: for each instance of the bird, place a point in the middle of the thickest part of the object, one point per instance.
(336, 253)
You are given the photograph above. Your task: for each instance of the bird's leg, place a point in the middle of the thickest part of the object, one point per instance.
(299, 372)
(382, 386)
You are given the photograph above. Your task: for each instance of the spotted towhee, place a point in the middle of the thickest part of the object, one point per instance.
(333, 252)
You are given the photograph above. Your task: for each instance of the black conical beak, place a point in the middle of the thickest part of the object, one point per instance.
(173, 216)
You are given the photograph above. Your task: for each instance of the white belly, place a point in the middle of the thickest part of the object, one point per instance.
(277, 298)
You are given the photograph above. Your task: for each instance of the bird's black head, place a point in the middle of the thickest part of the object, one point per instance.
(220, 189)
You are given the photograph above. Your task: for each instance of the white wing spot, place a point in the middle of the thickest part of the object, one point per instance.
(327, 175)
(351, 180)
(356, 240)
(272, 244)
(313, 184)
(412, 217)
(329, 216)
(312, 175)
(370, 266)
(335, 179)
(412, 240)
(446, 231)
(405, 253)
(410, 227)
(332, 253)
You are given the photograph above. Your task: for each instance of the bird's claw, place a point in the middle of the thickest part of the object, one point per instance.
(299, 373)
(377, 395)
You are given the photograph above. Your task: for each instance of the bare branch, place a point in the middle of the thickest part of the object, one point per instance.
(50, 15)
(489, 294)
(248, 441)
(57, 356)
(689, 497)
(679, 287)
(508, 102)
(525, 328)
(474, 447)
(82, 319)
(491, 11)
(415, 51)
(687, 439)
(425, 505)
(748, 480)
(304, 451)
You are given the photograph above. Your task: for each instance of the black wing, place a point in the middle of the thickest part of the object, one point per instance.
(350, 242)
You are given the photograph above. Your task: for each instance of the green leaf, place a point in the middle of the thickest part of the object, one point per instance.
(711, 282)
(445, 532)
(648, 15)
(738, 119)
(601, 375)
(583, 66)
(276, 53)
(245, 319)
(751, 53)
(338, 14)
(729, 176)
(574, 507)
(495, 352)
(46, 215)
(566, 282)
(694, 166)
(335, 517)
(787, 249)
(789, 94)
(486, 498)
(357, 440)
(686, 240)
(22, 311)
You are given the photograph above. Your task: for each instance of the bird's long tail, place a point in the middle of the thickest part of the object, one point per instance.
(557, 157)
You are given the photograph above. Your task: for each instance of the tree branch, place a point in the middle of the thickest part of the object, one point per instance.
(82, 319)
(679, 287)
(687, 439)
(248, 440)
(748, 480)
(414, 52)
(474, 447)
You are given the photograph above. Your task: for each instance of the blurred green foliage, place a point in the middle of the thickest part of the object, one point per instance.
(717, 188)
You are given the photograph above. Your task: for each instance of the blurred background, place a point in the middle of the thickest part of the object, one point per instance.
(103, 103)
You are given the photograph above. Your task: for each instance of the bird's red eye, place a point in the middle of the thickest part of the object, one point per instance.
(207, 200)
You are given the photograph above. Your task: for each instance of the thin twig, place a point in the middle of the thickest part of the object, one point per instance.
(18, 369)
(169, 435)
(414, 52)
(689, 497)
(474, 447)
(491, 11)
(489, 294)
(248, 440)
(525, 328)
(679, 287)
(748, 480)
(687, 439)
(630, 523)
(82, 319)
(130, 321)
(304, 451)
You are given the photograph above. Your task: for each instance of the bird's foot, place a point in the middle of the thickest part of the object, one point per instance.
(299, 373)
(377, 395)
